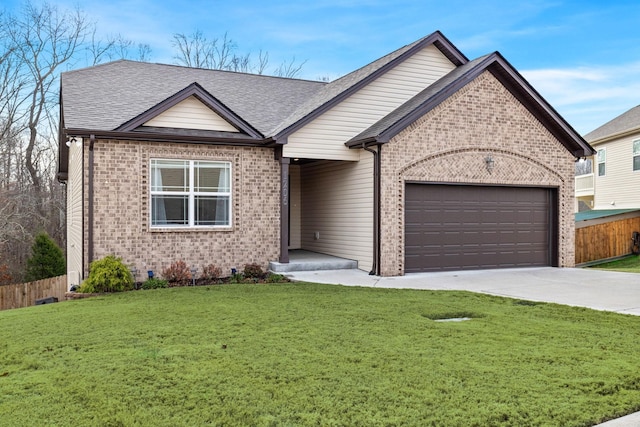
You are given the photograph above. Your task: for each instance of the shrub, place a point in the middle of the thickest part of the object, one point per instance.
(108, 274)
(276, 278)
(236, 278)
(177, 274)
(154, 283)
(253, 271)
(211, 272)
(47, 259)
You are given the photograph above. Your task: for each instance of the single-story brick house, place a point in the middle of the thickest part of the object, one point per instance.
(422, 160)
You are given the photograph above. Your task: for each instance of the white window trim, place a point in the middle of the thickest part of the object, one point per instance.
(191, 197)
(598, 162)
(634, 155)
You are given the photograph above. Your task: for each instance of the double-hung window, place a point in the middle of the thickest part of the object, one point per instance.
(602, 161)
(190, 193)
(636, 155)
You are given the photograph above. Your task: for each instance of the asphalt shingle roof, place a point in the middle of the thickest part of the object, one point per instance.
(108, 95)
(625, 122)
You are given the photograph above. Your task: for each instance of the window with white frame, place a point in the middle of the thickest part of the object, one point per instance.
(602, 160)
(636, 155)
(190, 193)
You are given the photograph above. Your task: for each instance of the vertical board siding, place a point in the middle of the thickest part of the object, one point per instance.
(26, 294)
(74, 216)
(324, 137)
(608, 240)
(191, 114)
(337, 203)
(620, 183)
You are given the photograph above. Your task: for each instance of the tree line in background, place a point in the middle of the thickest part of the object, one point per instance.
(37, 42)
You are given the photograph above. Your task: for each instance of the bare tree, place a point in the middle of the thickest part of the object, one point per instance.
(115, 47)
(289, 69)
(196, 50)
(35, 44)
(44, 40)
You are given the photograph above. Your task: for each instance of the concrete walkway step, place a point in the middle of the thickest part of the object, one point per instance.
(300, 260)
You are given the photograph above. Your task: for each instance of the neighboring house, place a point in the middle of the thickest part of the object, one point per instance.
(614, 181)
(420, 161)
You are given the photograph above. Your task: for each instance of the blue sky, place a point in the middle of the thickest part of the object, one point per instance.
(582, 56)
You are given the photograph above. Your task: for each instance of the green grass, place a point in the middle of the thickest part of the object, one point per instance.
(630, 264)
(307, 354)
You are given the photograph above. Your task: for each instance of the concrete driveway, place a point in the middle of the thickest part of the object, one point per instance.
(600, 290)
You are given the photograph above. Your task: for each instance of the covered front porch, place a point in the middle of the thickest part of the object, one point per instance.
(326, 215)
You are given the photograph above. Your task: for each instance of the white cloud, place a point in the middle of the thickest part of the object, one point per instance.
(588, 97)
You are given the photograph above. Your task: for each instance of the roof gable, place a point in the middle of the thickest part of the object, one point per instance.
(399, 119)
(104, 97)
(219, 111)
(338, 90)
(191, 113)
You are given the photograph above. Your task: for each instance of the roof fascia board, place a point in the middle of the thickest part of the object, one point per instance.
(448, 49)
(194, 89)
(63, 150)
(437, 38)
(425, 107)
(517, 85)
(538, 106)
(155, 137)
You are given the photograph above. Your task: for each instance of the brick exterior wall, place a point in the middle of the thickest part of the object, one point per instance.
(450, 143)
(122, 217)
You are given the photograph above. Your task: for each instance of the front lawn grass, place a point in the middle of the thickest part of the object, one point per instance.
(630, 264)
(308, 354)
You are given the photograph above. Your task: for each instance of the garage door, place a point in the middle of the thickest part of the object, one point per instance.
(456, 227)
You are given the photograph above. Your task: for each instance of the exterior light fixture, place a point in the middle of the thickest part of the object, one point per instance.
(71, 141)
(490, 163)
(194, 271)
(134, 274)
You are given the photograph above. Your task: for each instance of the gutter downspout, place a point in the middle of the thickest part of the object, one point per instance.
(92, 139)
(375, 270)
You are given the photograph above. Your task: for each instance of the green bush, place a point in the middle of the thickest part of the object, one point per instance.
(47, 259)
(108, 274)
(155, 283)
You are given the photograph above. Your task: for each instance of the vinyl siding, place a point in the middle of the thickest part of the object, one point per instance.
(295, 211)
(621, 184)
(337, 203)
(74, 216)
(191, 114)
(324, 137)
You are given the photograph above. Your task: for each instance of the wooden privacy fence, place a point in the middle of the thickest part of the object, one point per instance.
(605, 238)
(26, 294)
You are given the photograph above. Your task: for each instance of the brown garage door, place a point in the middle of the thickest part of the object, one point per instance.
(455, 227)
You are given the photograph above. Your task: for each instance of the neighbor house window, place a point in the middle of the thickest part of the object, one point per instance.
(190, 193)
(636, 155)
(602, 159)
